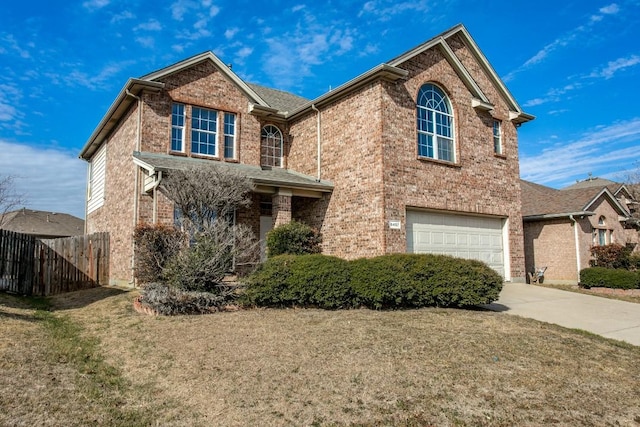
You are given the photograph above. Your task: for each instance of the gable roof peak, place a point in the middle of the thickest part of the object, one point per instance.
(206, 56)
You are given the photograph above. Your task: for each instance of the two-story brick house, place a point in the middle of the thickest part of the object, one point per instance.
(418, 154)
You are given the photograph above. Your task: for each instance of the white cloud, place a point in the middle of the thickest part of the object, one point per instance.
(122, 16)
(95, 4)
(612, 9)
(601, 148)
(181, 8)
(297, 8)
(146, 41)
(243, 54)
(150, 25)
(291, 55)
(615, 66)
(50, 179)
(101, 80)
(384, 10)
(230, 33)
(11, 44)
(563, 41)
(10, 116)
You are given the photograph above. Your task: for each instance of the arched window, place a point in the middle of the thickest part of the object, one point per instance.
(271, 146)
(602, 221)
(435, 124)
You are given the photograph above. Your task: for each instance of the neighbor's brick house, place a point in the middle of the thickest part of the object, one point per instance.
(418, 154)
(561, 226)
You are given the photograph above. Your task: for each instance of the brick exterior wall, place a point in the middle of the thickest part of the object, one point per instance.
(551, 243)
(368, 152)
(116, 215)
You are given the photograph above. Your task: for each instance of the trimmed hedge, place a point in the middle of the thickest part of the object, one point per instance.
(609, 278)
(294, 238)
(422, 280)
(384, 282)
(300, 280)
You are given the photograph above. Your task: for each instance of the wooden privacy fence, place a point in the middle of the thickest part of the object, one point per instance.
(31, 266)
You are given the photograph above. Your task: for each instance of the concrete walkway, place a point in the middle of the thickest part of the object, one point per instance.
(610, 318)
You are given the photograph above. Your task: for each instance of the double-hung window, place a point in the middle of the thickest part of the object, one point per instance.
(204, 124)
(177, 127)
(435, 124)
(229, 136)
(497, 137)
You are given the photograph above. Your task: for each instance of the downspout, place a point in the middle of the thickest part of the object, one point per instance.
(575, 236)
(136, 182)
(313, 107)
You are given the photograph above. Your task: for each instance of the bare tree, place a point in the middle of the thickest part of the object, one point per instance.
(207, 199)
(206, 194)
(632, 183)
(9, 199)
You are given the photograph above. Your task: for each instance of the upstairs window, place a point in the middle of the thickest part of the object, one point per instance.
(229, 136)
(204, 124)
(271, 146)
(177, 127)
(435, 124)
(497, 137)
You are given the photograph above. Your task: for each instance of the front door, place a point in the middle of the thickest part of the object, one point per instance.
(266, 224)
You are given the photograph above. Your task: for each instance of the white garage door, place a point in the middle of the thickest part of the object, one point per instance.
(464, 236)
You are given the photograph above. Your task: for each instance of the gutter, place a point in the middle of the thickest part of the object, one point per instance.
(575, 236)
(318, 135)
(555, 216)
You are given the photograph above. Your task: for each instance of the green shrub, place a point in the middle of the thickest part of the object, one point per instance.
(155, 245)
(385, 282)
(294, 238)
(412, 280)
(301, 280)
(609, 278)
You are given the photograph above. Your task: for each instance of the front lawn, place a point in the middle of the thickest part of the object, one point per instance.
(93, 359)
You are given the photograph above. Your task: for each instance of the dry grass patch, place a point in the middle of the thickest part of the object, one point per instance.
(358, 367)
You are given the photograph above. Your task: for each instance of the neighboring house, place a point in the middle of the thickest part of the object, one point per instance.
(561, 226)
(42, 224)
(418, 154)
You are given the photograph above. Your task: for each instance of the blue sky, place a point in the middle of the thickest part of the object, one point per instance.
(573, 64)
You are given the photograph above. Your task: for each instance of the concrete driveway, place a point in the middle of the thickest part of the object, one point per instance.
(610, 318)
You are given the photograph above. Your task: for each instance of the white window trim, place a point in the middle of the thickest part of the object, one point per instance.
(498, 148)
(234, 156)
(182, 128)
(216, 153)
(281, 158)
(436, 137)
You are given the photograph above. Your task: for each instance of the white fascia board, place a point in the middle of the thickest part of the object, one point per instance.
(479, 104)
(493, 76)
(543, 217)
(382, 71)
(614, 202)
(115, 112)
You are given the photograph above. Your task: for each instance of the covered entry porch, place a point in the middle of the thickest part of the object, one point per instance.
(276, 192)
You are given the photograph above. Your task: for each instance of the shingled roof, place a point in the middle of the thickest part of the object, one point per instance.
(281, 100)
(154, 162)
(539, 201)
(43, 223)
